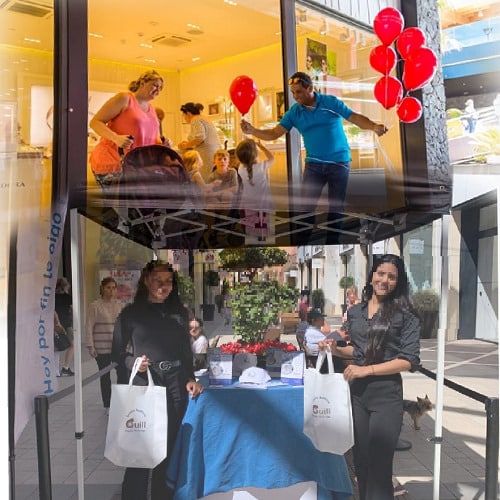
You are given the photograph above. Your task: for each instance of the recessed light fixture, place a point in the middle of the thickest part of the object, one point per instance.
(323, 30)
(96, 35)
(146, 45)
(193, 26)
(150, 60)
(230, 2)
(32, 40)
(194, 59)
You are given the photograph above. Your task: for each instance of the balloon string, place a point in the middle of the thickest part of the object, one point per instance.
(378, 145)
(388, 119)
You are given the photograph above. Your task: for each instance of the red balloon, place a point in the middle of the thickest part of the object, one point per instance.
(388, 25)
(410, 40)
(420, 68)
(388, 91)
(383, 59)
(243, 92)
(409, 110)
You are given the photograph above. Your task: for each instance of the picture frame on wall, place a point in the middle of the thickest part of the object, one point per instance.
(264, 108)
(213, 109)
(280, 105)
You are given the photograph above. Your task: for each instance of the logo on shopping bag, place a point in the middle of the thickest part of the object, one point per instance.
(136, 421)
(321, 407)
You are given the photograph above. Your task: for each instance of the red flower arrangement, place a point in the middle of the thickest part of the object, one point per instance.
(258, 348)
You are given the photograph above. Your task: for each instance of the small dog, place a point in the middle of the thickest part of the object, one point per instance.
(417, 409)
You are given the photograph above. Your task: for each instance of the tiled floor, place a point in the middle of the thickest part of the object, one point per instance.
(473, 364)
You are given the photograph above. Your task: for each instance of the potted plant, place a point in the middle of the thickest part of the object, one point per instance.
(318, 299)
(255, 306)
(212, 278)
(346, 282)
(426, 303)
(186, 289)
(487, 143)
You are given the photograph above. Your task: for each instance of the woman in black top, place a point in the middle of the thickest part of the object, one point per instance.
(155, 326)
(385, 341)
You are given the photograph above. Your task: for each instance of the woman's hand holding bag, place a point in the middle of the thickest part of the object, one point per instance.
(61, 341)
(327, 408)
(137, 425)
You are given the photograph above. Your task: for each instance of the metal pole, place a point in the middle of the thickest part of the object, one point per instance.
(441, 346)
(78, 325)
(491, 479)
(43, 447)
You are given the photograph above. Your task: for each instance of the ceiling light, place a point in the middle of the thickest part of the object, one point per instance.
(150, 60)
(345, 35)
(194, 26)
(230, 2)
(96, 35)
(301, 15)
(146, 45)
(194, 59)
(323, 30)
(32, 40)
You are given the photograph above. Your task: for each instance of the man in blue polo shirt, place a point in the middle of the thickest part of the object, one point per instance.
(318, 117)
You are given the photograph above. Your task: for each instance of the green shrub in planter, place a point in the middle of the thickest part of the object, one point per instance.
(186, 288)
(426, 300)
(256, 306)
(426, 303)
(212, 278)
(346, 282)
(318, 299)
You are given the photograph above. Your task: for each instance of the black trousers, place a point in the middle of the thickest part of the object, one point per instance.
(135, 481)
(104, 360)
(377, 408)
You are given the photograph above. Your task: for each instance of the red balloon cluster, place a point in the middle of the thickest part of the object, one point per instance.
(243, 93)
(420, 64)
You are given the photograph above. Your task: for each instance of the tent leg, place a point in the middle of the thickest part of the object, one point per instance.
(491, 479)
(43, 447)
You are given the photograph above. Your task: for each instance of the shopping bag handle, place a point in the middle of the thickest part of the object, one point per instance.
(326, 352)
(137, 363)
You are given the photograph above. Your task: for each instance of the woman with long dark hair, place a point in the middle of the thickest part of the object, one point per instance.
(155, 327)
(385, 341)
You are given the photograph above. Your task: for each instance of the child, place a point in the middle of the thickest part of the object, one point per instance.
(256, 196)
(223, 180)
(233, 159)
(193, 163)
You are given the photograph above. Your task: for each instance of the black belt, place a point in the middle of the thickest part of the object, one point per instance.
(166, 366)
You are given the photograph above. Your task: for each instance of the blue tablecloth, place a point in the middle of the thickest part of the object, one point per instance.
(232, 438)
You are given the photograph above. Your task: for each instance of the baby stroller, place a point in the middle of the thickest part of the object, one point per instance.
(153, 175)
(153, 187)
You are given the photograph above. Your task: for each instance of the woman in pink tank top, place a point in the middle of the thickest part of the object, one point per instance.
(126, 121)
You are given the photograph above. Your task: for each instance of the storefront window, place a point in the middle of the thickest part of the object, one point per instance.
(418, 255)
(336, 55)
(26, 98)
(470, 44)
(199, 52)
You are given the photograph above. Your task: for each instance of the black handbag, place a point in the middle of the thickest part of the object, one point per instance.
(61, 341)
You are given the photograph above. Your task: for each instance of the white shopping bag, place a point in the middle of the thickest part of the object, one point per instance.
(327, 408)
(137, 425)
